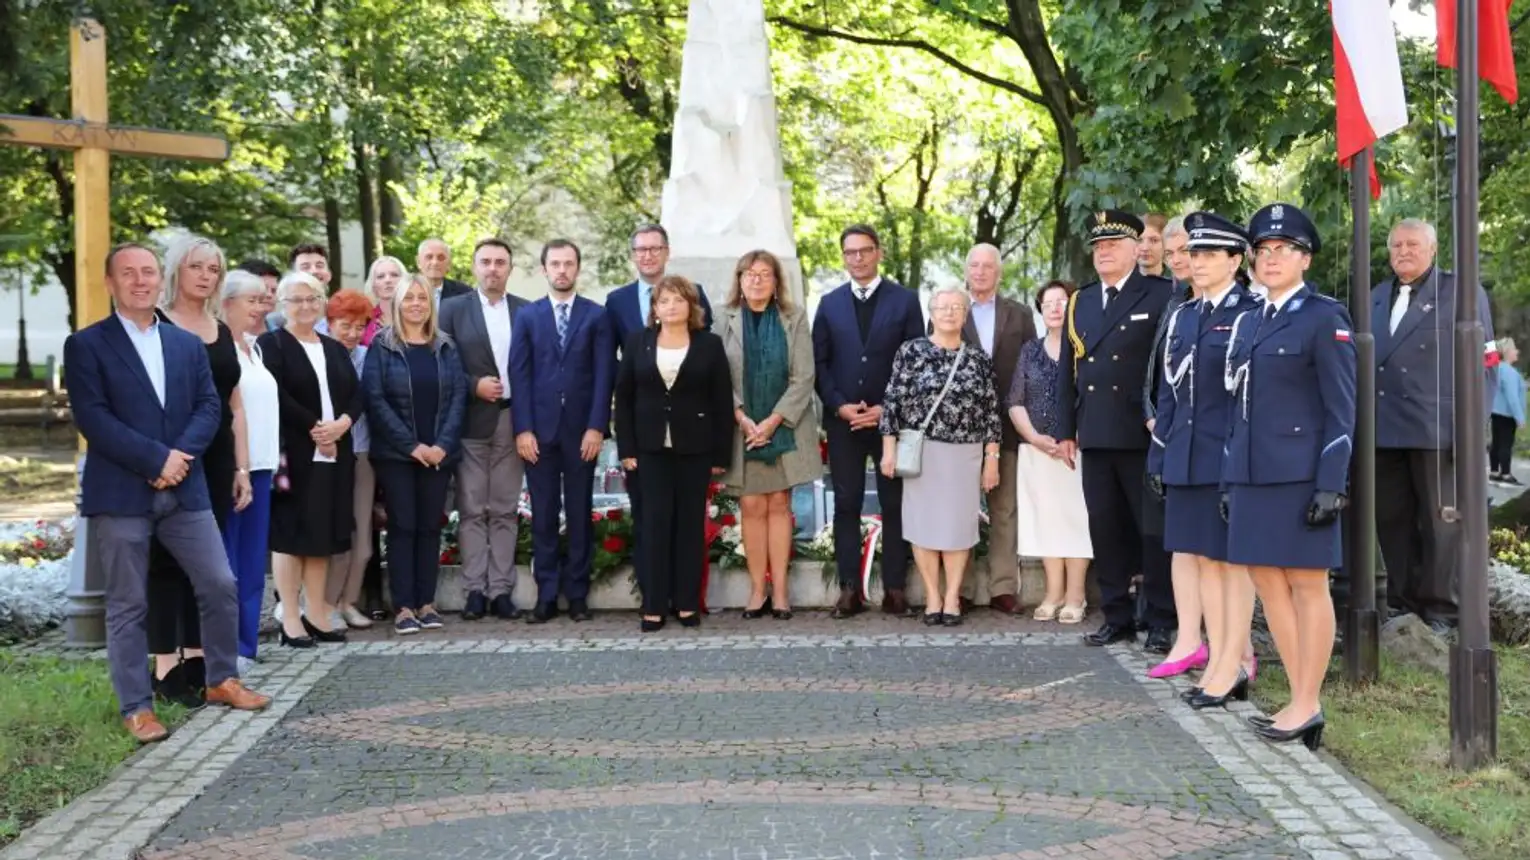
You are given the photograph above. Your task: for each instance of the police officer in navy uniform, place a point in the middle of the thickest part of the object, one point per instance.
(1185, 460)
(1291, 371)
(1101, 429)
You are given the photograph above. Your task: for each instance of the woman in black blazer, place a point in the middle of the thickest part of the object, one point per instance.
(311, 512)
(674, 428)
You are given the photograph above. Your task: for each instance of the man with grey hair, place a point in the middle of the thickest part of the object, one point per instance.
(1415, 314)
(999, 326)
(433, 259)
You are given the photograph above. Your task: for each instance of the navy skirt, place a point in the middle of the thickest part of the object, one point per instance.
(1193, 521)
(1269, 528)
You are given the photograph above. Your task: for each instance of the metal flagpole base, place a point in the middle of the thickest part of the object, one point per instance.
(85, 616)
(1473, 707)
(1362, 645)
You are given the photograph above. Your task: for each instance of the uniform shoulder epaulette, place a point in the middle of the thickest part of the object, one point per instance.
(1160, 278)
(1323, 298)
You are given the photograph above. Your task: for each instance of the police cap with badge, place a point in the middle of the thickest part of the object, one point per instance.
(1112, 224)
(1284, 221)
(1209, 231)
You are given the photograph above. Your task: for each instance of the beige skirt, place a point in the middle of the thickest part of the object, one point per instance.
(1053, 521)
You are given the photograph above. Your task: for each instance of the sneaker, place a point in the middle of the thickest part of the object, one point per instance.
(430, 620)
(406, 625)
(246, 665)
(1509, 479)
(354, 619)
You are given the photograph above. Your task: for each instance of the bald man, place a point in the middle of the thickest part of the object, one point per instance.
(433, 259)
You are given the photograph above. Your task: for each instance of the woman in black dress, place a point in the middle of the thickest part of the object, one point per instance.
(194, 269)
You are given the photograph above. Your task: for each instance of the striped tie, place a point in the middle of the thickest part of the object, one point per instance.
(562, 319)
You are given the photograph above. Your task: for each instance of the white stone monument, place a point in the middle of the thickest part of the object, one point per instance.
(726, 193)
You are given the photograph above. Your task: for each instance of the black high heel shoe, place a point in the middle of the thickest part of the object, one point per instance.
(1309, 733)
(322, 635)
(1189, 694)
(648, 626)
(692, 620)
(1260, 721)
(1204, 700)
(934, 619)
(297, 641)
(751, 614)
(781, 614)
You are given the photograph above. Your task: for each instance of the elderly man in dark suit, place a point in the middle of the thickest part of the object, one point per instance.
(143, 398)
(857, 331)
(999, 326)
(491, 473)
(433, 259)
(1415, 314)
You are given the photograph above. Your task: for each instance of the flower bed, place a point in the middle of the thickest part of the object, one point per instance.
(34, 575)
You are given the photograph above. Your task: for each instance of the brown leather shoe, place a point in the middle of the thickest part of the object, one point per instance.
(848, 605)
(145, 727)
(895, 603)
(235, 695)
(1005, 603)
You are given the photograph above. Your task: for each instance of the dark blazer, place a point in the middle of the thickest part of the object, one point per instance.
(1293, 417)
(390, 398)
(129, 433)
(461, 319)
(451, 289)
(560, 396)
(626, 317)
(697, 411)
(1180, 294)
(1105, 356)
(1415, 366)
(298, 396)
(1013, 327)
(850, 370)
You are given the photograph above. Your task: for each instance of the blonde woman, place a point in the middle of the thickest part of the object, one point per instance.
(383, 280)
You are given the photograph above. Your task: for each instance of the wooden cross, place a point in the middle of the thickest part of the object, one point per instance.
(93, 140)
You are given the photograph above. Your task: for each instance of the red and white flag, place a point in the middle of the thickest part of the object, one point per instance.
(1495, 44)
(1368, 84)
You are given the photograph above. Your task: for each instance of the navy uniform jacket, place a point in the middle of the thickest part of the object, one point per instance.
(1194, 405)
(1415, 366)
(1104, 359)
(1179, 294)
(1292, 378)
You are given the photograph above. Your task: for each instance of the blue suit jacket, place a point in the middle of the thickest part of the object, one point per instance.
(559, 396)
(1193, 405)
(130, 435)
(851, 370)
(1293, 384)
(626, 317)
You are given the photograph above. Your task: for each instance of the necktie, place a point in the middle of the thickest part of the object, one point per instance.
(1399, 308)
(862, 293)
(1269, 310)
(1110, 295)
(562, 319)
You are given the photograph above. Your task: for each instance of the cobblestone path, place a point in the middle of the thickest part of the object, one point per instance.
(709, 745)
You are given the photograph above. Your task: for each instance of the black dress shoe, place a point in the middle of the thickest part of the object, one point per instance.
(651, 626)
(949, 620)
(544, 613)
(848, 605)
(1109, 634)
(1309, 733)
(173, 689)
(1159, 641)
(322, 635)
(475, 606)
(503, 607)
(933, 619)
(692, 620)
(781, 614)
(196, 674)
(578, 610)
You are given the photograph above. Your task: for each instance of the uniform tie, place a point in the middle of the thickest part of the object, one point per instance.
(1399, 308)
(562, 320)
(1110, 295)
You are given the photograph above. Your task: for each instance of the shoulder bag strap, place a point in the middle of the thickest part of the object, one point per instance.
(960, 354)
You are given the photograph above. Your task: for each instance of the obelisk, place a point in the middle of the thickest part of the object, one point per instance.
(726, 193)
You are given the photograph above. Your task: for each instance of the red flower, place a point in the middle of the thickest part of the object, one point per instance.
(595, 517)
(728, 520)
(39, 543)
(613, 544)
(614, 514)
(823, 451)
(446, 556)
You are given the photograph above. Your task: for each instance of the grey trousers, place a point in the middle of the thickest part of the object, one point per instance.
(121, 546)
(489, 480)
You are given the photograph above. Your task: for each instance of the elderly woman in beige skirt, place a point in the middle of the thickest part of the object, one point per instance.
(770, 355)
(945, 390)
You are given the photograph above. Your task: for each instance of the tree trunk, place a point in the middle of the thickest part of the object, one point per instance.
(333, 218)
(366, 199)
(390, 174)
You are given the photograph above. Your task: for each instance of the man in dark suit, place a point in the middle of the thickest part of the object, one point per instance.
(143, 398)
(999, 326)
(1110, 330)
(490, 475)
(1415, 313)
(856, 332)
(562, 371)
(434, 259)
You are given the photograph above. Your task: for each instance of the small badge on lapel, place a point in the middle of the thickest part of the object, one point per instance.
(1426, 308)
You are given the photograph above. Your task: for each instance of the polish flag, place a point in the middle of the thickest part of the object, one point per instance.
(1495, 44)
(1368, 85)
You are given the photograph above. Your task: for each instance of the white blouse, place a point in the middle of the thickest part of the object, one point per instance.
(669, 360)
(315, 352)
(257, 388)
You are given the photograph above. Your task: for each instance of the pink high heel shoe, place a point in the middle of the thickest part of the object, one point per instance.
(1170, 668)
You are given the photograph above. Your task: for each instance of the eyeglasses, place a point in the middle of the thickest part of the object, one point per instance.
(302, 300)
(949, 309)
(1275, 252)
(1054, 304)
(759, 275)
(648, 250)
(857, 253)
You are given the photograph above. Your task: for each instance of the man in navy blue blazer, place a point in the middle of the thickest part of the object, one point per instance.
(857, 331)
(142, 396)
(562, 370)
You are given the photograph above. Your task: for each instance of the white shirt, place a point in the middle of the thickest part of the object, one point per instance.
(1120, 288)
(315, 352)
(496, 318)
(1279, 303)
(1213, 302)
(262, 405)
(150, 351)
(984, 318)
(669, 360)
(869, 288)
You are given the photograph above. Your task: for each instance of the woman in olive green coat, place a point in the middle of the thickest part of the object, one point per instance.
(770, 354)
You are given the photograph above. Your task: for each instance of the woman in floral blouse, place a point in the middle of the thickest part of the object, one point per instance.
(960, 453)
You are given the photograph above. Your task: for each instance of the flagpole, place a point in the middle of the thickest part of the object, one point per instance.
(1473, 665)
(1362, 635)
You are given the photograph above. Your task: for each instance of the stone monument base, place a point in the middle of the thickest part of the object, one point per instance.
(716, 275)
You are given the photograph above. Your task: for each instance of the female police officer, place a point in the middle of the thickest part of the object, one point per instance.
(1291, 370)
(1185, 461)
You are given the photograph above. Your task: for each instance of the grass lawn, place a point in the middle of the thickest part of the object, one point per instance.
(1395, 734)
(35, 480)
(60, 735)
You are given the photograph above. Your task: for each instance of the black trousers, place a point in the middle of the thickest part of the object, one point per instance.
(173, 620)
(848, 453)
(1417, 546)
(1113, 492)
(635, 499)
(674, 529)
(413, 496)
(1501, 451)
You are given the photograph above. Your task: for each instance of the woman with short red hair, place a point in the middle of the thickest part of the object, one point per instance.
(349, 312)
